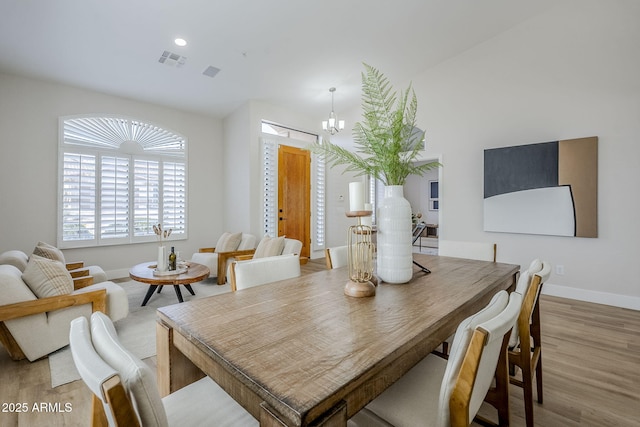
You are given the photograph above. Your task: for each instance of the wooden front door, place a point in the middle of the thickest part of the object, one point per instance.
(294, 194)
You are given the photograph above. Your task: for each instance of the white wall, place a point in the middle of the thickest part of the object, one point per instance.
(573, 72)
(29, 112)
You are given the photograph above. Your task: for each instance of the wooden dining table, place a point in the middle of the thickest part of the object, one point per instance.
(300, 352)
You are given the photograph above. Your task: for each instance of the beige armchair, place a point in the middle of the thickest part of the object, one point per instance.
(77, 269)
(37, 306)
(228, 247)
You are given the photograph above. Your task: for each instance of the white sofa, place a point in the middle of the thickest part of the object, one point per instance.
(46, 330)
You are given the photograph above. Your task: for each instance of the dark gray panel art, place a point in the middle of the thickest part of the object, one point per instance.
(522, 167)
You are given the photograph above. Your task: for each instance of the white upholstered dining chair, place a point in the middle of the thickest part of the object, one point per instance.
(336, 257)
(125, 391)
(525, 344)
(442, 393)
(260, 271)
(482, 251)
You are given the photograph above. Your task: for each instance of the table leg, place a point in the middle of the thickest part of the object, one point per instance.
(159, 289)
(152, 288)
(178, 293)
(174, 369)
(190, 289)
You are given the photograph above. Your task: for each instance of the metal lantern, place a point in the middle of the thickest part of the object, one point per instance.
(360, 258)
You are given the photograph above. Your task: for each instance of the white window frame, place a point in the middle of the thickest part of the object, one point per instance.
(131, 140)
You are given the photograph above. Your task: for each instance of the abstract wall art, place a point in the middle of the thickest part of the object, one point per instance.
(546, 188)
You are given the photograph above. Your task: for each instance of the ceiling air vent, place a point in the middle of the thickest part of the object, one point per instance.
(172, 59)
(211, 71)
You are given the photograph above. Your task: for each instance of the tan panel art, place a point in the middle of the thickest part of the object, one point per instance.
(578, 167)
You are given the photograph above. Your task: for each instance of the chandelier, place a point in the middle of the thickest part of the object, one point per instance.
(333, 125)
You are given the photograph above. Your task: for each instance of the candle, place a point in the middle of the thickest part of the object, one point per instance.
(356, 196)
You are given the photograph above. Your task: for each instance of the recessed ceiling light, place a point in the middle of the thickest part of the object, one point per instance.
(180, 42)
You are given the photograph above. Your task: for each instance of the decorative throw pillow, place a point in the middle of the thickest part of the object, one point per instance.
(228, 242)
(47, 278)
(46, 250)
(269, 246)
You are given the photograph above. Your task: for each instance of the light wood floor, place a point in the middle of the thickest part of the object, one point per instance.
(591, 360)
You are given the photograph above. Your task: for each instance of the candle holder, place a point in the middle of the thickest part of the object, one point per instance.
(360, 258)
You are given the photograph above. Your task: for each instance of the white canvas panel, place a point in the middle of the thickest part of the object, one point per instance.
(547, 211)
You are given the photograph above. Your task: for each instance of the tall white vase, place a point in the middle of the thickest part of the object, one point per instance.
(162, 258)
(395, 254)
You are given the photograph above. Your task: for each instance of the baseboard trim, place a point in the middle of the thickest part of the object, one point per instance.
(616, 300)
(117, 274)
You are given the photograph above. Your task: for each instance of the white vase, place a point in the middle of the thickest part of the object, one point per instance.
(162, 258)
(395, 252)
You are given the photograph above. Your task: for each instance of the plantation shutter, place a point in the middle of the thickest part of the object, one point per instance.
(114, 198)
(319, 201)
(146, 196)
(78, 197)
(174, 197)
(117, 178)
(270, 187)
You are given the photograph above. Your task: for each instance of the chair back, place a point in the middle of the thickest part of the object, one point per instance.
(529, 286)
(292, 246)
(336, 257)
(479, 346)
(137, 376)
(471, 250)
(249, 241)
(16, 258)
(110, 396)
(260, 271)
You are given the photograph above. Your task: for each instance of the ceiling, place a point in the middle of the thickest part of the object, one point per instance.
(283, 52)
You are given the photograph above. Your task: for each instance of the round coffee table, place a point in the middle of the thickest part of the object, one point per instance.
(144, 273)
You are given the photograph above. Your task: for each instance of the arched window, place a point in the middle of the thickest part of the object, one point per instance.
(117, 178)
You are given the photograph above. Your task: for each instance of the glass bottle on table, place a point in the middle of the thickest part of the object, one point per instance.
(172, 259)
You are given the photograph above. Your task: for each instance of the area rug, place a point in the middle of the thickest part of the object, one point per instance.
(137, 331)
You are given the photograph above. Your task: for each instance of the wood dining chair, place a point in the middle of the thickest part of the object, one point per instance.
(438, 392)
(336, 257)
(260, 271)
(525, 345)
(117, 378)
(482, 251)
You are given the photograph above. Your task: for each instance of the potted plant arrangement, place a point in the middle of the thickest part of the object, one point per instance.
(387, 145)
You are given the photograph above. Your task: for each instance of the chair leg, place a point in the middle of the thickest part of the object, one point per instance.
(536, 334)
(539, 378)
(98, 416)
(527, 386)
(10, 343)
